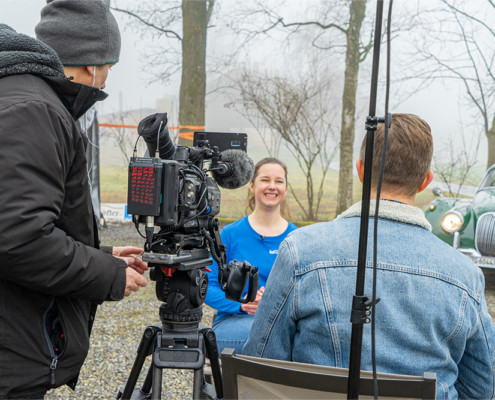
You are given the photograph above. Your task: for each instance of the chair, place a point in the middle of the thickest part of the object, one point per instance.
(259, 378)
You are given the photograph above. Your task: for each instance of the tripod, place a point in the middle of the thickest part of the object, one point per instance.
(179, 341)
(175, 345)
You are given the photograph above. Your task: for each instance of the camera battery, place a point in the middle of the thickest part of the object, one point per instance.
(170, 194)
(145, 179)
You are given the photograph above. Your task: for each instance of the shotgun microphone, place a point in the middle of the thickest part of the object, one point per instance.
(235, 169)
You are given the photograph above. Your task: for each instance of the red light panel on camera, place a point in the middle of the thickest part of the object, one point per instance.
(142, 185)
(145, 176)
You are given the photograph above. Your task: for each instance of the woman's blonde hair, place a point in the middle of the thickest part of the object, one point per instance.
(251, 202)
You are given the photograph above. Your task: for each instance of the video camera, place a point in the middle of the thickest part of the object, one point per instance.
(170, 189)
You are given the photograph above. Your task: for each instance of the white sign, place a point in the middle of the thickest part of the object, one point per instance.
(115, 212)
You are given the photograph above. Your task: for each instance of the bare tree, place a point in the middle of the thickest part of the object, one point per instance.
(296, 110)
(271, 140)
(454, 162)
(457, 42)
(124, 138)
(336, 27)
(256, 20)
(185, 22)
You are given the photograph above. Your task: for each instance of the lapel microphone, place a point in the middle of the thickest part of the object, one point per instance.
(262, 237)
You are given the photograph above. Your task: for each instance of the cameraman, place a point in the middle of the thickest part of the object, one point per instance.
(52, 275)
(432, 316)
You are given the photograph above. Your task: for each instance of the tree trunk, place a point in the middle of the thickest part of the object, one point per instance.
(357, 12)
(491, 145)
(193, 81)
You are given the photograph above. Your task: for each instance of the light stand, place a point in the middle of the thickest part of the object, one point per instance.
(361, 304)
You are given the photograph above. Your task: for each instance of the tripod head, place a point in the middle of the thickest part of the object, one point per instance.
(181, 287)
(178, 263)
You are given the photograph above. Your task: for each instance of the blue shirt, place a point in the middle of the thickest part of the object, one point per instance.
(243, 244)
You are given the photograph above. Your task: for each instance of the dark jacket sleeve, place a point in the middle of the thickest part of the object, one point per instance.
(107, 249)
(37, 151)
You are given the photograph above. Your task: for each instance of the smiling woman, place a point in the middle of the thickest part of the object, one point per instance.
(256, 239)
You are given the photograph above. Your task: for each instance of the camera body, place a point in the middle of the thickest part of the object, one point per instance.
(169, 190)
(173, 192)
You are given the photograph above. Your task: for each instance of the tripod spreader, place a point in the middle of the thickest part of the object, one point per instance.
(174, 349)
(145, 348)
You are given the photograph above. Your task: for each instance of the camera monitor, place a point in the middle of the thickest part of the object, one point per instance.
(224, 140)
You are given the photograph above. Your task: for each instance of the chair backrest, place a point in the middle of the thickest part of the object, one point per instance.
(259, 378)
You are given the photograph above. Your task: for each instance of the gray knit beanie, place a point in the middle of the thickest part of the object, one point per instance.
(82, 32)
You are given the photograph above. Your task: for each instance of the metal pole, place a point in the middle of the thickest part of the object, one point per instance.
(156, 388)
(357, 328)
(198, 384)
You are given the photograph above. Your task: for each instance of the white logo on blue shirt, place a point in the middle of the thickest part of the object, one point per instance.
(273, 252)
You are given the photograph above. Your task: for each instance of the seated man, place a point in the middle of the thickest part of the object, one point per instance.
(432, 316)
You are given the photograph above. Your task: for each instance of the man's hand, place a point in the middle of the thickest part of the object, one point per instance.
(136, 264)
(126, 253)
(133, 281)
(251, 308)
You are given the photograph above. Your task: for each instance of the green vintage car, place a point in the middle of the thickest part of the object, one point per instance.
(468, 224)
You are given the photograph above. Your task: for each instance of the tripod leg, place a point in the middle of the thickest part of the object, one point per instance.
(156, 392)
(198, 384)
(211, 348)
(144, 350)
(149, 379)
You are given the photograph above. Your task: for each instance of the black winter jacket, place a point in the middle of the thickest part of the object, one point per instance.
(51, 273)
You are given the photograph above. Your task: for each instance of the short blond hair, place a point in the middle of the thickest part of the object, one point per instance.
(409, 153)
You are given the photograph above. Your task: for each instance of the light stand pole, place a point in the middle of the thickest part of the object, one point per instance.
(361, 304)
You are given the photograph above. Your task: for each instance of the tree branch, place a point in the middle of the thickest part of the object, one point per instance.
(166, 31)
(470, 16)
(315, 23)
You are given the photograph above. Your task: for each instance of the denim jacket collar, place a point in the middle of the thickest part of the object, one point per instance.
(392, 211)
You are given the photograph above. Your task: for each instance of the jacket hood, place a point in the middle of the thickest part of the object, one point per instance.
(22, 54)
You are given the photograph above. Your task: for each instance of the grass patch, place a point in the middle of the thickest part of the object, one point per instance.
(113, 183)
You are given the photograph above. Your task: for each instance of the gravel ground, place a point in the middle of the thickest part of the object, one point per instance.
(118, 329)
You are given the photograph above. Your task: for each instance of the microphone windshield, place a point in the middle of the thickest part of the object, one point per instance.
(240, 173)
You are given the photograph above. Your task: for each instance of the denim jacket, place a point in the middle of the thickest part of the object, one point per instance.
(432, 316)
